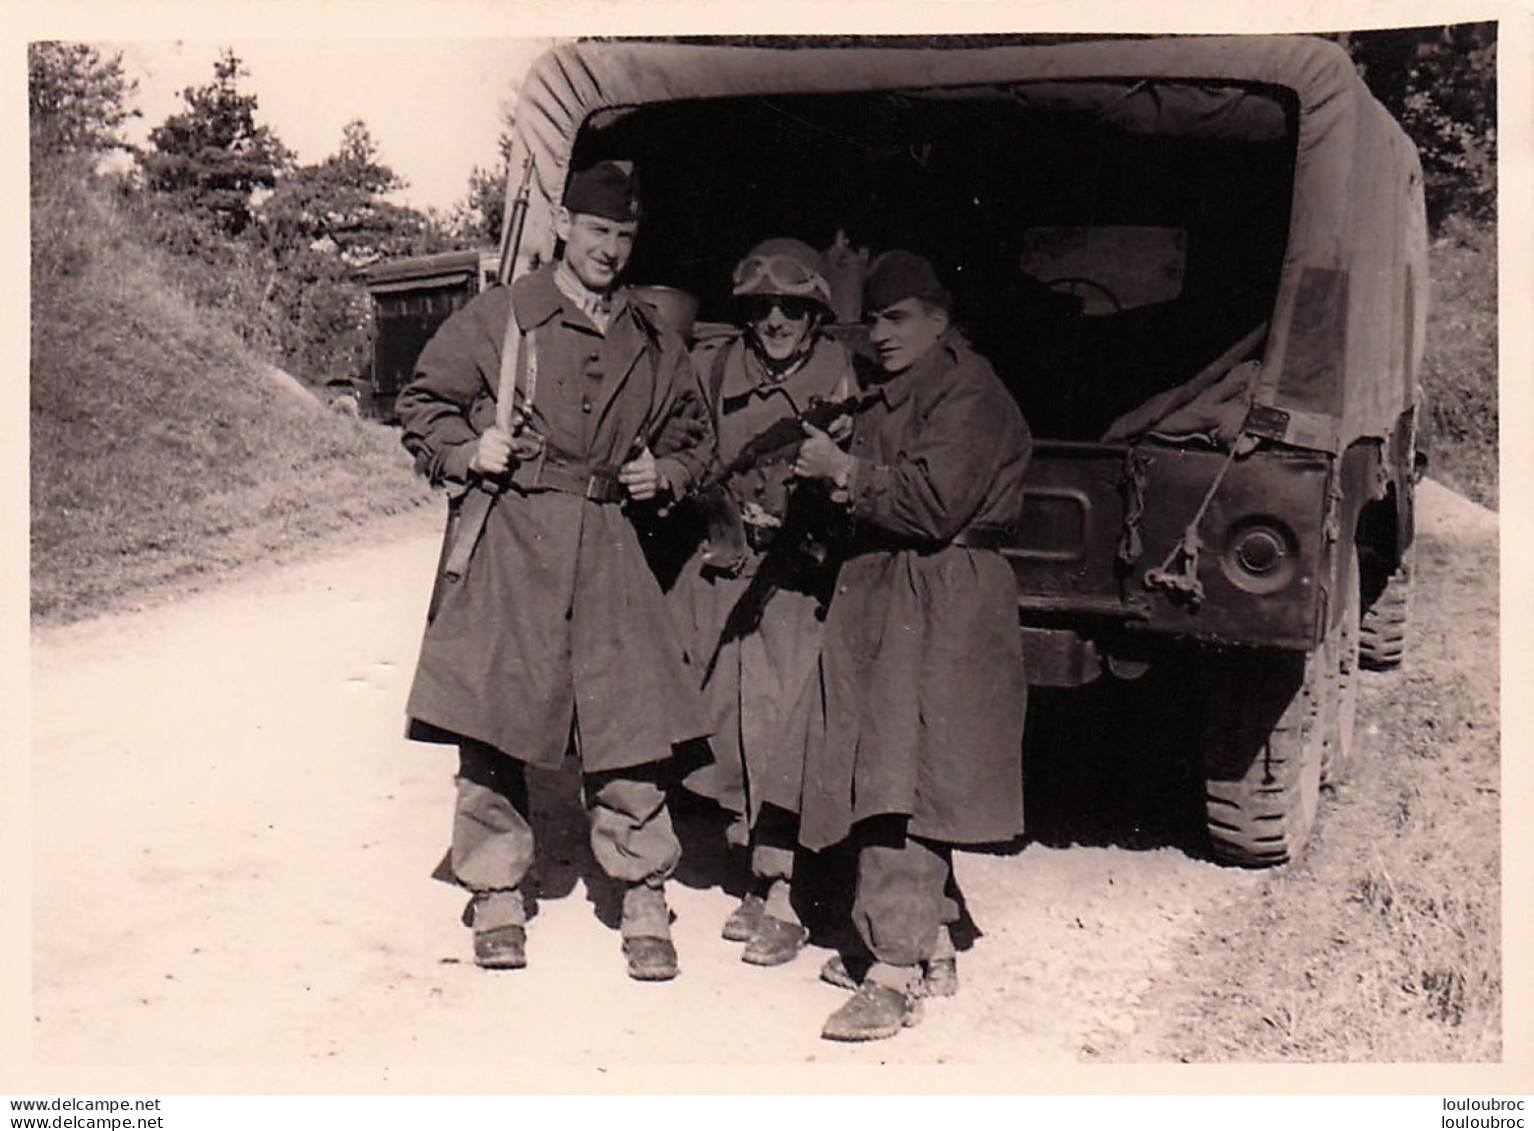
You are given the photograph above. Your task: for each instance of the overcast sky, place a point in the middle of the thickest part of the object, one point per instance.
(433, 106)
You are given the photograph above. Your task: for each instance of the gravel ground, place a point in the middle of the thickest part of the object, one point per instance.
(232, 844)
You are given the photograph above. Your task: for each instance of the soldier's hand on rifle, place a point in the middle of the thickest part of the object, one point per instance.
(525, 443)
(820, 458)
(840, 429)
(492, 455)
(640, 477)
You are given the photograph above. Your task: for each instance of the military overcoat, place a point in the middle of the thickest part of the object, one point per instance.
(558, 629)
(756, 636)
(921, 664)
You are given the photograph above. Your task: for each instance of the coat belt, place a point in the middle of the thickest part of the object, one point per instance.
(593, 481)
(984, 537)
(872, 540)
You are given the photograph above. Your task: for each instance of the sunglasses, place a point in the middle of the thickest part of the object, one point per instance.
(758, 307)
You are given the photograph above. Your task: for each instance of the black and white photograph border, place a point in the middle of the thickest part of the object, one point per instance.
(218, 842)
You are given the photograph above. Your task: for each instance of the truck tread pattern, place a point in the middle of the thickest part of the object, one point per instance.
(1262, 753)
(1384, 628)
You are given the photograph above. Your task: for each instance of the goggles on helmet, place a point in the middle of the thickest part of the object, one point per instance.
(779, 275)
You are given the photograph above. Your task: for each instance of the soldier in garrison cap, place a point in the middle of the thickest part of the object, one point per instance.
(557, 636)
(922, 662)
(751, 600)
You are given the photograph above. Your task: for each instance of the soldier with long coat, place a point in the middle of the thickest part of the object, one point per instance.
(922, 662)
(752, 599)
(557, 634)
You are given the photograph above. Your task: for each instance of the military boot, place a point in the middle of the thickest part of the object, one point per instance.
(743, 921)
(500, 937)
(887, 1001)
(778, 935)
(646, 930)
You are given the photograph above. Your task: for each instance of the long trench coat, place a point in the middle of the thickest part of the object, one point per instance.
(922, 664)
(558, 631)
(755, 629)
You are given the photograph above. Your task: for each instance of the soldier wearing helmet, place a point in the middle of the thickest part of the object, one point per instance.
(751, 599)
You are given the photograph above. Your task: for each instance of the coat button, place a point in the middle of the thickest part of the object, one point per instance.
(585, 404)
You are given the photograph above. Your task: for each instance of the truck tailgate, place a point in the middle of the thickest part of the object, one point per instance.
(1098, 547)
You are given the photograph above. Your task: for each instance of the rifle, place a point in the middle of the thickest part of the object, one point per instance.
(466, 522)
(800, 547)
(784, 436)
(777, 442)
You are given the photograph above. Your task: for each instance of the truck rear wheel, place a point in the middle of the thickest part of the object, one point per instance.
(1382, 633)
(1263, 744)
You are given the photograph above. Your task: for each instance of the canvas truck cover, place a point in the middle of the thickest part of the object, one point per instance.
(1346, 332)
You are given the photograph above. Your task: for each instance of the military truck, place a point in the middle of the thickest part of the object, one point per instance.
(1199, 265)
(410, 299)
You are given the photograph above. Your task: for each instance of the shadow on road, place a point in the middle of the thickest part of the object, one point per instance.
(1115, 763)
(558, 817)
(1111, 764)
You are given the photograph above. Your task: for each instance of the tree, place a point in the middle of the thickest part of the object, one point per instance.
(477, 218)
(213, 156)
(339, 206)
(322, 223)
(1441, 83)
(78, 99)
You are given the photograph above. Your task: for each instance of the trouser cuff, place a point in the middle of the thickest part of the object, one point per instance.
(492, 909)
(769, 862)
(944, 947)
(904, 979)
(645, 914)
(779, 903)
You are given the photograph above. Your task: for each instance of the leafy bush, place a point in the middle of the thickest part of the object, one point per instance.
(231, 279)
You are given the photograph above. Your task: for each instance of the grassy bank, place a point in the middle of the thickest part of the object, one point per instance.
(163, 451)
(1459, 365)
(1383, 944)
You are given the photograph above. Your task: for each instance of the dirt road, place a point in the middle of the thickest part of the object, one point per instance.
(232, 843)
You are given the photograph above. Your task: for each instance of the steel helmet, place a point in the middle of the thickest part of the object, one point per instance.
(783, 267)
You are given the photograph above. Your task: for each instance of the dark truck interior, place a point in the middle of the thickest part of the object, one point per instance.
(1104, 240)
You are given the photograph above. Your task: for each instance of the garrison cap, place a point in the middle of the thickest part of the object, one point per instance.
(898, 275)
(608, 189)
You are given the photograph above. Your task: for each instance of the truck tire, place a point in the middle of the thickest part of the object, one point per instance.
(1383, 630)
(1344, 645)
(1263, 740)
